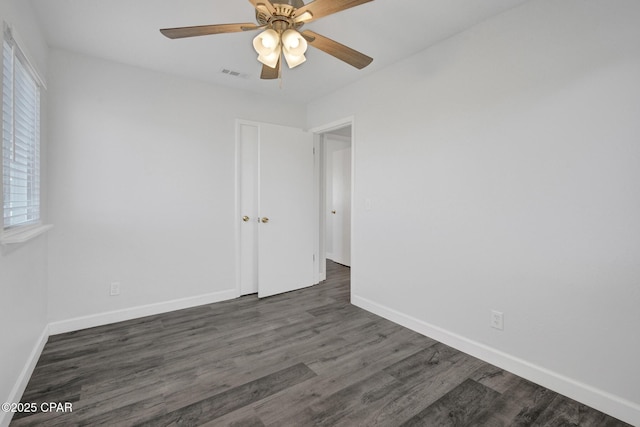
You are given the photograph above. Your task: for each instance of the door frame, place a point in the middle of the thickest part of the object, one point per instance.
(238, 212)
(238, 200)
(319, 268)
(318, 142)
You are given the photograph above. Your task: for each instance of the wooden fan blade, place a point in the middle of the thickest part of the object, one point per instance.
(269, 73)
(205, 30)
(321, 8)
(263, 5)
(340, 51)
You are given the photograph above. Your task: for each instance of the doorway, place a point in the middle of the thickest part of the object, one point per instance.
(294, 193)
(335, 165)
(337, 157)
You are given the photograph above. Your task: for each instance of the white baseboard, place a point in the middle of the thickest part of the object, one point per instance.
(77, 323)
(25, 375)
(608, 403)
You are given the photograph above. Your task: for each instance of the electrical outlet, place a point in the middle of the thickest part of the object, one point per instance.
(115, 289)
(497, 320)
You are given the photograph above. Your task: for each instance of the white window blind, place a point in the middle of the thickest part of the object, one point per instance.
(20, 138)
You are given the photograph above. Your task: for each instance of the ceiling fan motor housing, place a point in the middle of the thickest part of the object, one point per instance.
(282, 18)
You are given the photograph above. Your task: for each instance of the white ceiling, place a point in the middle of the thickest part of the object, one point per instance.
(126, 31)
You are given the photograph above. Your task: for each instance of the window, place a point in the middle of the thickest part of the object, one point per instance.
(20, 137)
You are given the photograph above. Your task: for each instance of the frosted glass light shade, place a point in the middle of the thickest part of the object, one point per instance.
(267, 45)
(293, 46)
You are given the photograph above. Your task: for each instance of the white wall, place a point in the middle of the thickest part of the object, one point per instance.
(504, 166)
(142, 179)
(23, 282)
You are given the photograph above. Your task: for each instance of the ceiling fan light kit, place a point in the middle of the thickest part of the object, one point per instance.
(269, 45)
(281, 22)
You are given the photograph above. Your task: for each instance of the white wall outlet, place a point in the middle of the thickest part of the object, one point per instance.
(114, 289)
(497, 320)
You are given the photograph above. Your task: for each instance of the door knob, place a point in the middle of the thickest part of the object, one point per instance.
(333, 212)
(245, 218)
(265, 220)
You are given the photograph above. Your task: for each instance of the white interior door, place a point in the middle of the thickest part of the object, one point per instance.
(340, 216)
(337, 152)
(287, 227)
(276, 206)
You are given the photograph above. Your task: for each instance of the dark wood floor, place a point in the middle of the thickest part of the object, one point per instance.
(304, 358)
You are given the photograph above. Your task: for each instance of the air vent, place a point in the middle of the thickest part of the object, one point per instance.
(234, 73)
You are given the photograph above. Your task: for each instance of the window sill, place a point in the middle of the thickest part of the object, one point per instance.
(23, 234)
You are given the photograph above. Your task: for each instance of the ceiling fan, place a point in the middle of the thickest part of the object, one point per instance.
(281, 20)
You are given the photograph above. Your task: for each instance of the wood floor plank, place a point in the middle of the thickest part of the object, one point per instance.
(303, 358)
(374, 353)
(340, 368)
(243, 417)
(335, 407)
(432, 362)
(207, 384)
(520, 405)
(495, 378)
(423, 387)
(567, 412)
(456, 408)
(221, 404)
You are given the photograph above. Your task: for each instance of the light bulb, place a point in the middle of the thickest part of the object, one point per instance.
(293, 46)
(271, 59)
(267, 42)
(267, 45)
(294, 42)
